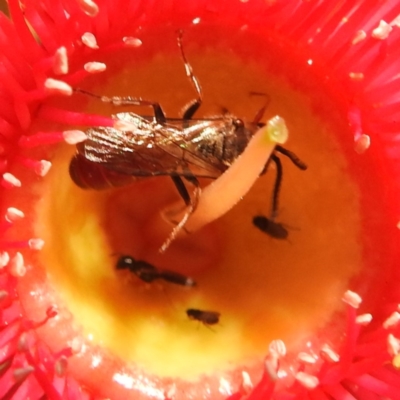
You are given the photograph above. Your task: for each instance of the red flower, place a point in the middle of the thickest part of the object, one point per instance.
(343, 55)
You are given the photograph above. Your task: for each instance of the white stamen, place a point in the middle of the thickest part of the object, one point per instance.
(392, 320)
(271, 365)
(359, 36)
(362, 143)
(363, 319)
(396, 22)
(55, 86)
(60, 65)
(94, 67)
(89, 7)
(307, 380)
(282, 374)
(382, 31)
(89, 40)
(77, 345)
(74, 136)
(13, 214)
(306, 358)
(36, 243)
(247, 384)
(352, 299)
(16, 266)
(278, 346)
(132, 41)
(10, 181)
(224, 387)
(356, 76)
(329, 354)
(393, 345)
(4, 259)
(42, 168)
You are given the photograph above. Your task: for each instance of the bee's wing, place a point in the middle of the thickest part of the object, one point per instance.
(149, 150)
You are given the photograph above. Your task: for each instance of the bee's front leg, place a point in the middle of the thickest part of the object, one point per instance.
(129, 101)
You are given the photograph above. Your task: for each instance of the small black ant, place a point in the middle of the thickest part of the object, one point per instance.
(148, 273)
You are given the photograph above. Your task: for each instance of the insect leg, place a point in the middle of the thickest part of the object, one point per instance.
(190, 177)
(137, 101)
(191, 203)
(277, 185)
(129, 101)
(180, 186)
(293, 157)
(268, 225)
(193, 106)
(279, 171)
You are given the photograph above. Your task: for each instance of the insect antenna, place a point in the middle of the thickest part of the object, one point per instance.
(261, 111)
(194, 105)
(87, 93)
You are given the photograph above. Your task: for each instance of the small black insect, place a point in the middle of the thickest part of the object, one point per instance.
(184, 149)
(142, 269)
(148, 273)
(206, 317)
(270, 227)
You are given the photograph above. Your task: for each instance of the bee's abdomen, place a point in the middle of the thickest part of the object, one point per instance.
(89, 175)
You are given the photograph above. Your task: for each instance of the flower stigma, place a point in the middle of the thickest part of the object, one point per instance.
(221, 195)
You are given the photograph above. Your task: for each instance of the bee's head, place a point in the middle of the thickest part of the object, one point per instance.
(247, 128)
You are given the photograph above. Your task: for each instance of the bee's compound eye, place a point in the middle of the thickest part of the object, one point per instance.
(125, 262)
(238, 123)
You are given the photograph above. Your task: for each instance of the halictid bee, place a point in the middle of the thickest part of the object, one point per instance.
(148, 273)
(184, 149)
(206, 317)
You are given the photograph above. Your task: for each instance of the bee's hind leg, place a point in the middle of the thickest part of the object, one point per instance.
(191, 203)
